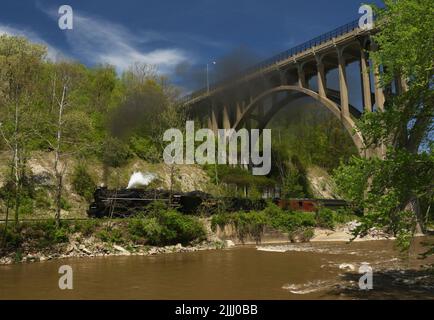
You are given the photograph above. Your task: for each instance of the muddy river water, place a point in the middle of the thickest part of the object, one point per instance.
(288, 271)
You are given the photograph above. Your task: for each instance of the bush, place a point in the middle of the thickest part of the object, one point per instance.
(253, 223)
(164, 227)
(220, 220)
(178, 228)
(145, 149)
(82, 182)
(13, 236)
(64, 204)
(326, 218)
(51, 234)
(86, 227)
(111, 235)
(114, 152)
(302, 234)
(288, 221)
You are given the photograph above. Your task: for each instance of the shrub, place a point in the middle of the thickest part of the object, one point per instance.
(144, 149)
(82, 182)
(64, 204)
(326, 218)
(48, 233)
(251, 223)
(86, 227)
(220, 220)
(13, 236)
(178, 228)
(111, 235)
(164, 227)
(114, 152)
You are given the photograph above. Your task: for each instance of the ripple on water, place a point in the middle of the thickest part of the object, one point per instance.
(309, 287)
(306, 247)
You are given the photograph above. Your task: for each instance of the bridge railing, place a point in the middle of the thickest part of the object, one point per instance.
(340, 31)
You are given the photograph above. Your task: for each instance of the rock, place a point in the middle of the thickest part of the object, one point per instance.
(347, 266)
(123, 250)
(71, 247)
(152, 251)
(229, 244)
(84, 249)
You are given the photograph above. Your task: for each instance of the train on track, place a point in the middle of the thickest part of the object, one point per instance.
(120, 203)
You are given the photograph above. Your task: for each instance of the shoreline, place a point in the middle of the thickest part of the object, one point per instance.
(79, 246)
(82, 251)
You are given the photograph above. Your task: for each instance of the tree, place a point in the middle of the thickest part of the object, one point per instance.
(390, 189)
(64, 129)
(20, 67)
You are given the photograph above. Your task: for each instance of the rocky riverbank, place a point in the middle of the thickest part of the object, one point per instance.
(80, 245)
(90, 247)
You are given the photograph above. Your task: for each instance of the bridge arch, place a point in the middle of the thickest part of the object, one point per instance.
(326, 102)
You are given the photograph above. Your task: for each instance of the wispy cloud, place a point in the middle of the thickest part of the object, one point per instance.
(53, 53)
(99, 41)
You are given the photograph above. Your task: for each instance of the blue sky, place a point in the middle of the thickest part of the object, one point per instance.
(169, 33)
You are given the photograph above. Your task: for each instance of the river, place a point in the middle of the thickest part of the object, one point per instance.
(291, 271)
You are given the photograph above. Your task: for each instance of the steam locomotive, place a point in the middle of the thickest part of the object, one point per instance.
(128, 202)
(120, 203)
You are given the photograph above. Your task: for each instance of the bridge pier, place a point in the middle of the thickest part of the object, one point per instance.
(366, 81)
(322, 87)
(226, 119)
(343, 85)
(213, 120)
(248, 98)
(301, 76)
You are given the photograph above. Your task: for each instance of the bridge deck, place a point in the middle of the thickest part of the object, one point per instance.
(305, 50)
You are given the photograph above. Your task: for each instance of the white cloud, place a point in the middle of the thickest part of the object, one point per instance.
(52, 52)
(100, 41)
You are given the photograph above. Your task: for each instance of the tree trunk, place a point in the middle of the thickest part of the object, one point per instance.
(16, 165)
(59, 172)
(413, 206)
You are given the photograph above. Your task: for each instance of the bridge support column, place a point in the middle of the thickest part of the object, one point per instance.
(321, 78)
(240, 107)
(283, 78)
(343, 85)
(379, 93)
(212, 121)
(226, 119)
(301, 77)
(366, 82)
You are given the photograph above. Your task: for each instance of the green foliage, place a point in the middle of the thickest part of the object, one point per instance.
(145, 149)
(391, 189)
(64, 204)
(13, 237)
(82, 182)
(147, 229)
(390, 184)
(253, 223)
(220, 220)
(326, 218)
(164, 227)
(180, 228)
(313, 134)
(49, 232)
(86, 227)
(250, 223)
(114, 152)
(111, 235)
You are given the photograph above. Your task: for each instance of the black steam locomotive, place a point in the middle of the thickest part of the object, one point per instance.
(128, 202)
